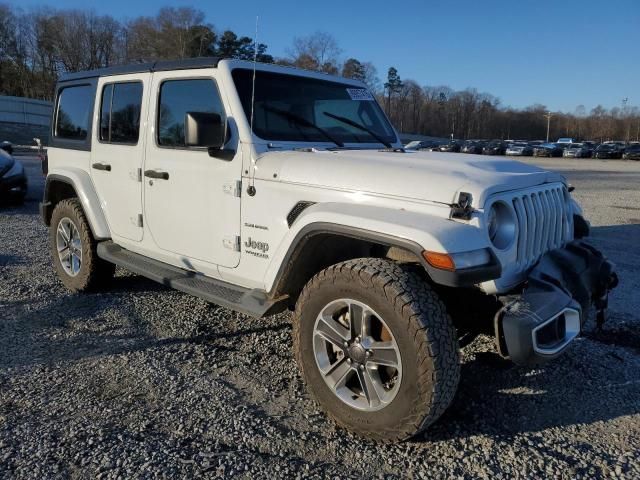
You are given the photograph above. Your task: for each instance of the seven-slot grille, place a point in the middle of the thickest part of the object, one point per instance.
(544, 223)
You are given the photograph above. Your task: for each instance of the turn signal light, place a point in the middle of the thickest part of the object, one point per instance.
(442, 261)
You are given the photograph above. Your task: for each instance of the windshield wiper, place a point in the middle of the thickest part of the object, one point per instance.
(348, 121)
(304, 122)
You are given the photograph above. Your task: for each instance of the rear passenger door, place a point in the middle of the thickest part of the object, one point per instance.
(118, 150)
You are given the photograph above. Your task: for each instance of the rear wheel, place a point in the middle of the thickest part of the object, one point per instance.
(73, 249)
(376, 348)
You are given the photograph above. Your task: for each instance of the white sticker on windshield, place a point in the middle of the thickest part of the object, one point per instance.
(359, 94)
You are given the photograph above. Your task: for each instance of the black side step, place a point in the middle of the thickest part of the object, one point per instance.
(250, 302)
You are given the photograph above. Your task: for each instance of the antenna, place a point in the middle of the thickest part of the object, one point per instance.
(251, 190)
(253, 85)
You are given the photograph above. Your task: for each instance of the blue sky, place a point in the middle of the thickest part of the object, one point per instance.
(560, 53)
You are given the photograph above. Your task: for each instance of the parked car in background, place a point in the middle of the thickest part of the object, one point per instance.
(472, 146)
(7, 147)
(522, 149)
(422, 145)
(608, 150)
(577, 150)
(13, 179)
(495, 147)
(547, 150)
(565, 141)
(632, 152)
(452, 146)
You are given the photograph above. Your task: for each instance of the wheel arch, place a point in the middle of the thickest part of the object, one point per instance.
(75, 183)
(321, 244)
(328, 233)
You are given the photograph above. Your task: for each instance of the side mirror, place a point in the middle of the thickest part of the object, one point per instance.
(204, 129)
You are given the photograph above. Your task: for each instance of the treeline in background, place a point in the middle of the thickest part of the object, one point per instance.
(36, 46)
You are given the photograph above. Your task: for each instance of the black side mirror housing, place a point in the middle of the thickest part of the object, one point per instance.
(204, 129)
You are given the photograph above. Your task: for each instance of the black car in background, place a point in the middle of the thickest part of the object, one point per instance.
(13, 179)
(472, 146)
(495, 147)
(452, 146)
(632, 152)
(547, 150)
(608, 150)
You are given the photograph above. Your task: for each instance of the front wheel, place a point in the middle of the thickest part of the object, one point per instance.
(376, 348)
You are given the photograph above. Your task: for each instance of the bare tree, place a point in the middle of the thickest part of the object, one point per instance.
(318, 51)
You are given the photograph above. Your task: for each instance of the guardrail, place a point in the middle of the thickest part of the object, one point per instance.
(25, 111)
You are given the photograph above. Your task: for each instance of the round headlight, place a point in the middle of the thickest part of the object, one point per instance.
(501, 225)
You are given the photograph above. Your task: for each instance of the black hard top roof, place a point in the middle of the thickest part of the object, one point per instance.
(159, 66)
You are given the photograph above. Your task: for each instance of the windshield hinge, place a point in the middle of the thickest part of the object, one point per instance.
(462, 209)
(234, 189)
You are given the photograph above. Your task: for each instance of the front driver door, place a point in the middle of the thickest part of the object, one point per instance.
(190, 202)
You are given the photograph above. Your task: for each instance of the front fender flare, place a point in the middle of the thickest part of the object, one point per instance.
(80, 181)
(411, 231)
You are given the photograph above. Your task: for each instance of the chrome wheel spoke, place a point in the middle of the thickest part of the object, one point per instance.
(383, 353)
(66, 236)
(371, 387)
(356, 320)
(332, 331)
(336, 376)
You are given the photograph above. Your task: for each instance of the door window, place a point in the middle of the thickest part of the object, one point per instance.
(120, 112)
(177, 97)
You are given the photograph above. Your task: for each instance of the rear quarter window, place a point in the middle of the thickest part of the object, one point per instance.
(73, 116)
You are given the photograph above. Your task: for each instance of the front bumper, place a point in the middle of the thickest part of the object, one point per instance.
(538, 324)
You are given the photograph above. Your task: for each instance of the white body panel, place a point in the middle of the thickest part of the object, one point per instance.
(191, 214)
(120, 189)
(188, 217)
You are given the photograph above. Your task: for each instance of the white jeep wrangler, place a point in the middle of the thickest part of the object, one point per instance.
(263, 188)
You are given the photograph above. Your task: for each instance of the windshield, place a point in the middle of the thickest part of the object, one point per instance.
(316, 102)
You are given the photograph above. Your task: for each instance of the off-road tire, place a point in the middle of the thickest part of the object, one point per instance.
(94, 272)
(421, 327)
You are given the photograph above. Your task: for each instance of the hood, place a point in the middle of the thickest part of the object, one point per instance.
(420, 175)
(6, 162)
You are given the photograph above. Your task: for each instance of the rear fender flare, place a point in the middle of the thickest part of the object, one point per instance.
(86, 193)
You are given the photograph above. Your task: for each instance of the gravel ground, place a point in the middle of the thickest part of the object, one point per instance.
(146, 382)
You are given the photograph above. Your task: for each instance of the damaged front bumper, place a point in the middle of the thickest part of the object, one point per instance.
(539, 323)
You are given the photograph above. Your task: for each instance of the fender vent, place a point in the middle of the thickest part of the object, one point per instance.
(297, 209)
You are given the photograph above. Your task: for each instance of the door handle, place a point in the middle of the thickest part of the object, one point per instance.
(156, 174)
(102, 166)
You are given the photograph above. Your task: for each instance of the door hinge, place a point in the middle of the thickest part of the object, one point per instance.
(232, 243)
(234, 189)
(139, 174)
(140, 223)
